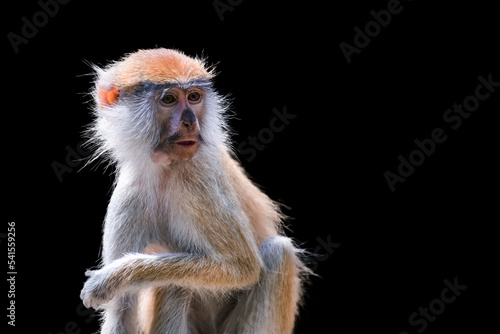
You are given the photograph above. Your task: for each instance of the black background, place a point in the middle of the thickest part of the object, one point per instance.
(352, 122)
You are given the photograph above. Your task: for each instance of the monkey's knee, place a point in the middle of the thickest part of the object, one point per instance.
(277, 251)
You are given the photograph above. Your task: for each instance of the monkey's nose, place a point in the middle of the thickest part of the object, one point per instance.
(188, 118)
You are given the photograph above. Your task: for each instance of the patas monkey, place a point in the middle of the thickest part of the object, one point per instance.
(190, 244)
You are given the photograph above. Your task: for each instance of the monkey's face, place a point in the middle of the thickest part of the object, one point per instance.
(180, 112)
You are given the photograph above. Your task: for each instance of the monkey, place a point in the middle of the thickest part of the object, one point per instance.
(191, 245)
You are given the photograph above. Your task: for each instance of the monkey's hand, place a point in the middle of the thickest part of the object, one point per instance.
(99, 288)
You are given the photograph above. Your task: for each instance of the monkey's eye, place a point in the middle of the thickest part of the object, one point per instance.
(194, 97)
(169, 99)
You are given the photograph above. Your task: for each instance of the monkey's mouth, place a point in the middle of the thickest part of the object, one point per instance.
(186, 142)
(182, 149)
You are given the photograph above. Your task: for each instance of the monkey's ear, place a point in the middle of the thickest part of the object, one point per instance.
(108, 96)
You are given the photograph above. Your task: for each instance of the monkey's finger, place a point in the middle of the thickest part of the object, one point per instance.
(84, 298)
(89, 273)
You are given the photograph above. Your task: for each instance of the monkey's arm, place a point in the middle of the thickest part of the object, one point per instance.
(136, 271)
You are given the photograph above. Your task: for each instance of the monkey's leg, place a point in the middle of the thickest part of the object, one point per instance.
(171, 311)
(120, 316)
(270, 306)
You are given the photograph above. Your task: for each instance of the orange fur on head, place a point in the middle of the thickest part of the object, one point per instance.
(157, 66)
